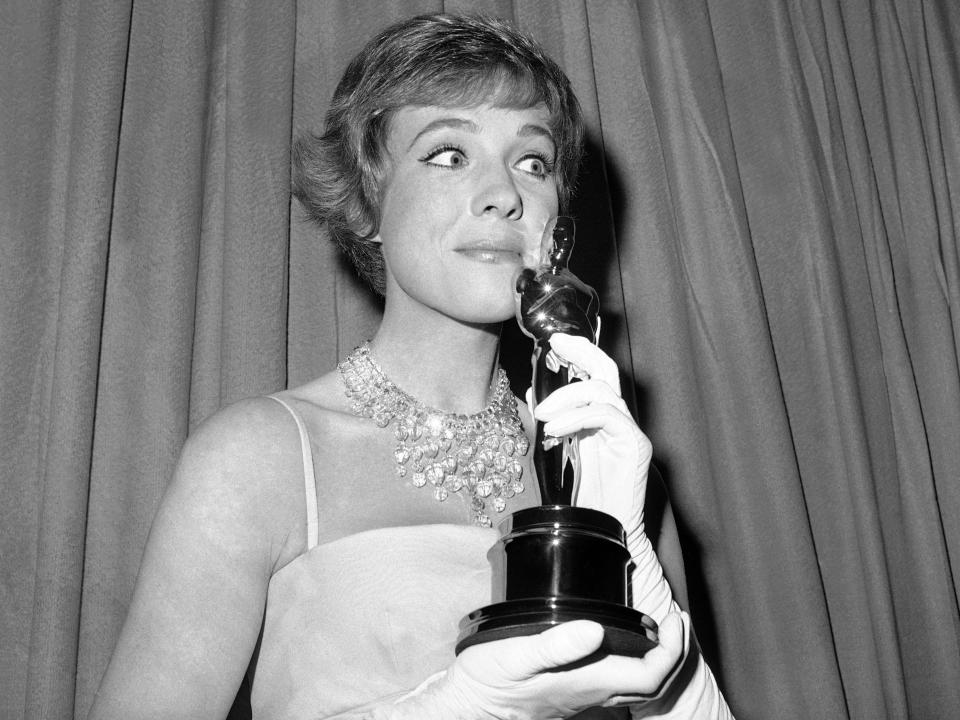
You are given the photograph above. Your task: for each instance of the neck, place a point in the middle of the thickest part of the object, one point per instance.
(444, 363)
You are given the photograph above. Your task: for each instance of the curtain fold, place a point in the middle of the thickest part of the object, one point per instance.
(769, 208)
(196, 296)
(719, 421)
(60, 146)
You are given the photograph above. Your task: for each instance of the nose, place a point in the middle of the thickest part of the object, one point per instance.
(498, 194)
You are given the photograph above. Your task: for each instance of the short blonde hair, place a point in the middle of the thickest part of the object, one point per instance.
(443, 60)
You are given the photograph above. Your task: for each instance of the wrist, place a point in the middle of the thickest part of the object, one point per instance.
(651, 592)
(691, 692)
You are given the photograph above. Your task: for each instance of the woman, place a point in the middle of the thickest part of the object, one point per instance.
(321, 531)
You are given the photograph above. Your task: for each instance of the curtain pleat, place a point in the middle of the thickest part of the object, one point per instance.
(769, 209)
(143, 393)
(701, 343)
(54, 302)
(201, 193)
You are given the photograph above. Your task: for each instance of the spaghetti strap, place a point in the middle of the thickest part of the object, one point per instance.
(309, 478)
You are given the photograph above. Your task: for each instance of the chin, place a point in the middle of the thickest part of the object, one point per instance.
(489, 312)
(486, 319)
(476, 299)
(505, 308)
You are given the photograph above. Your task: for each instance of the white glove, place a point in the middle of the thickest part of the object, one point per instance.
(611, 444)
(614, 463)
(614, 458)
(518, 679)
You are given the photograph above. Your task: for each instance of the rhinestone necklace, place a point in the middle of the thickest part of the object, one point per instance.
(478, 454)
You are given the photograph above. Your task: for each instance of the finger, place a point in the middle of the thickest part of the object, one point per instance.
(638, 679)
(558, 646)
(666, 659)
(671, 639)
(587, 357)
(587, 392)
(606, 418)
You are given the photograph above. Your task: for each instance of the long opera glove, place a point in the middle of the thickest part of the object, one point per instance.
(614, 457)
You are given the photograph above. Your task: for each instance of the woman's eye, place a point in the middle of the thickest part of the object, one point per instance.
(448, 157)
(535, 165)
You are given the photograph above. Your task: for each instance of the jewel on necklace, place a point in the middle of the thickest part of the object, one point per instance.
(450, 452)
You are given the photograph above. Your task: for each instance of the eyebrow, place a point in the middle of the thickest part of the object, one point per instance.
(451, 122)
(528, 130)
(535, 130)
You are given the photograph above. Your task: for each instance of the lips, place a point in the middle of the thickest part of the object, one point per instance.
(492, 255)
(510, 251)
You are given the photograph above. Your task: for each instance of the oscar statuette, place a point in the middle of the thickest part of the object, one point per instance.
(558, 562)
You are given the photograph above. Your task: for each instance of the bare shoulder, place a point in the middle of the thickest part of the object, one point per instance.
(240, 444)
(326, 393)
(232, 515)
(242, 464)
(324, 405)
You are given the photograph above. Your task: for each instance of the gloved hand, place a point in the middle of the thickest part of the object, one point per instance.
(612, 447)
(614, 462)
(518, 678)
(614, 457)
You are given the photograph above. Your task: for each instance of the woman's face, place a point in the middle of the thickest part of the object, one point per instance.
(466, 198)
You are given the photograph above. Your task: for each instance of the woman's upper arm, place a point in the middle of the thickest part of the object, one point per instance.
(219, 533)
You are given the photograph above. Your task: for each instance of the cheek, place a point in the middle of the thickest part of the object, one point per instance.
(545, 197)
(543, 205)
(413, 205)
(415, 219)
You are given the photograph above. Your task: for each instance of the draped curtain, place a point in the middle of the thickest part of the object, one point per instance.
(770, 209)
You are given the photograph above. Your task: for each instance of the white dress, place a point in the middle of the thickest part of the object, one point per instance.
(367, 617)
